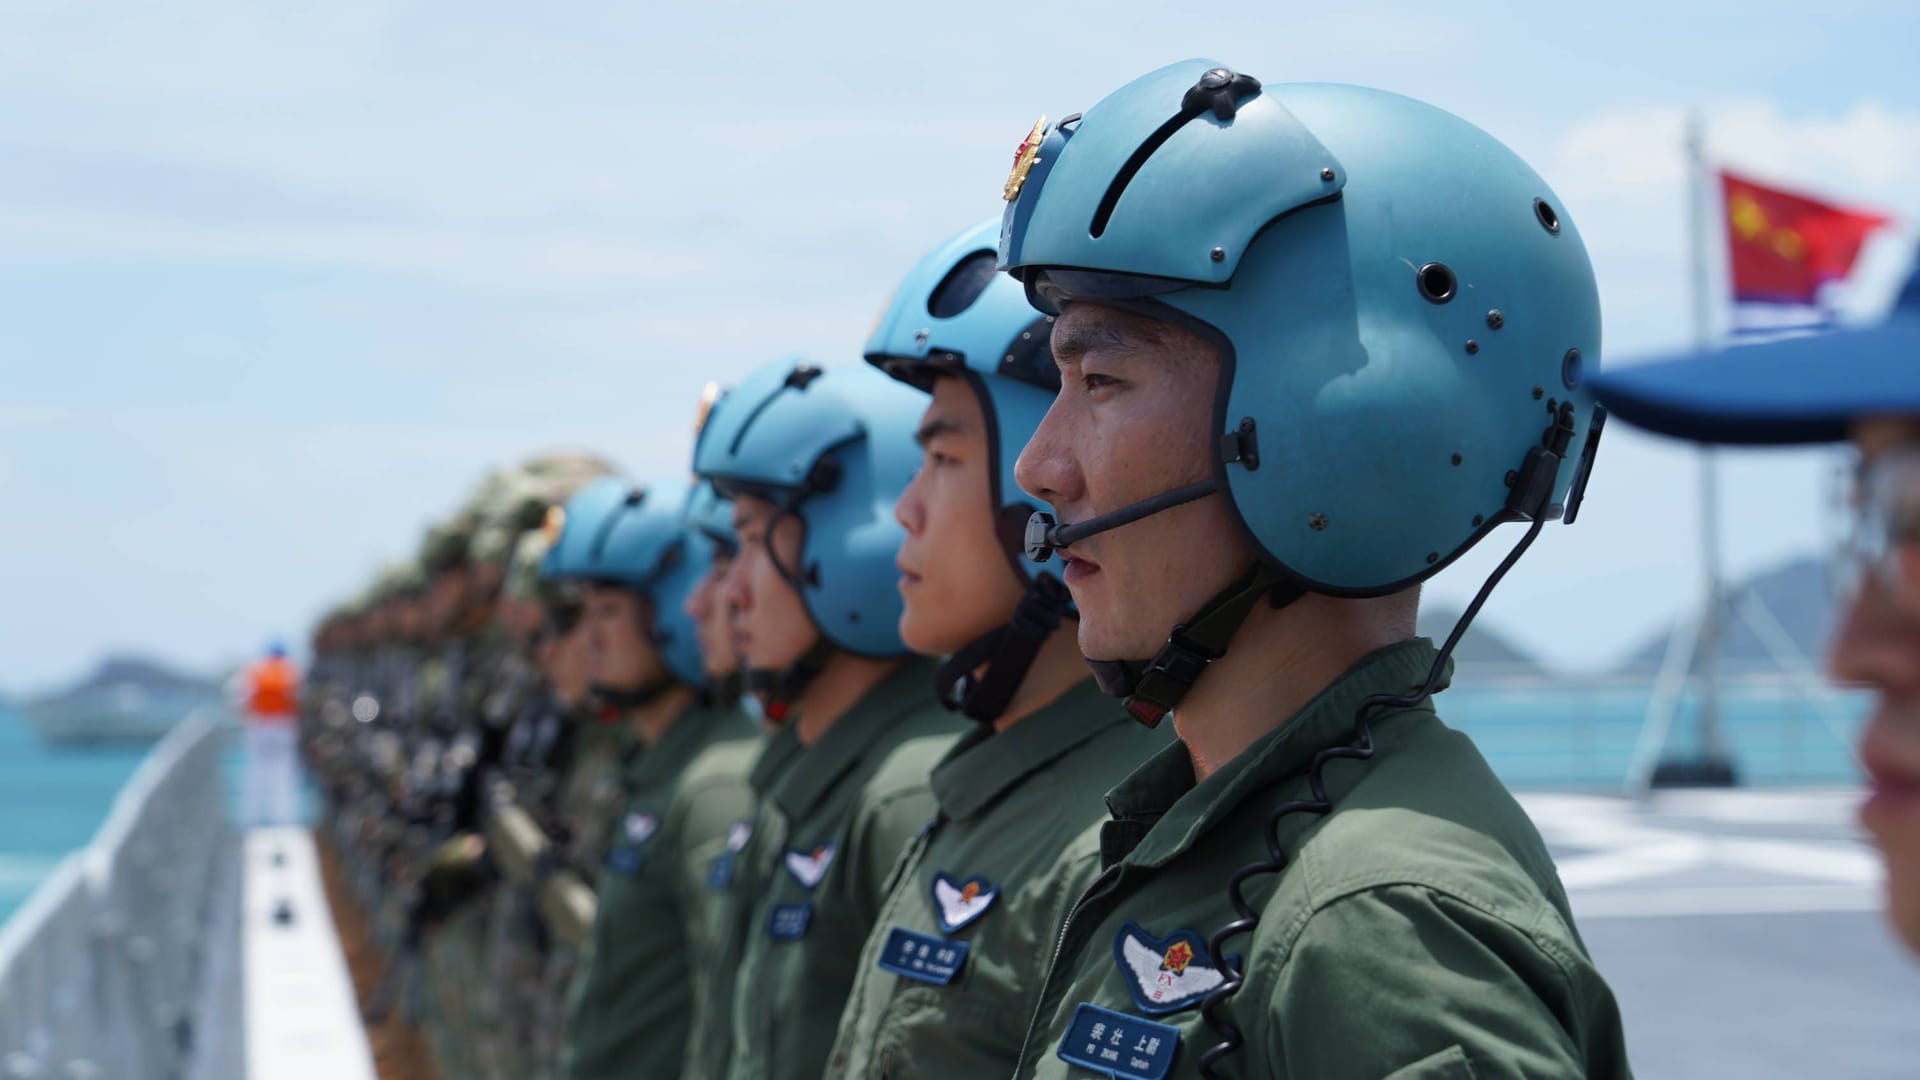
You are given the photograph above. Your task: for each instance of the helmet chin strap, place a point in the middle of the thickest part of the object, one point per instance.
(1153, 687)
(724, 690)
(778, 690)
(622, 699)
(1007, 654)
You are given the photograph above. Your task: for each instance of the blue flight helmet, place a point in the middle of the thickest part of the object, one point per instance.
(1403, 310)
(581, 520)
(645, 545)
(954, 316)
(711, 514)
(832, 447)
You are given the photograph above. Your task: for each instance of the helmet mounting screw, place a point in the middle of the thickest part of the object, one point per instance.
(1538, 393)
(1218, 255)
(1457, 459)
(1326, 175)
(1317, 522)
(1472, 347)
(1495, 320)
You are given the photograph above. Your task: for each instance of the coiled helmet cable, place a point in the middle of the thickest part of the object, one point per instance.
(1527, 501)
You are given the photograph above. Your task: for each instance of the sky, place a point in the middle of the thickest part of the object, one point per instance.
(279, 283)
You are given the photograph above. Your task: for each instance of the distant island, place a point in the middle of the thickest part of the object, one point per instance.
(1797, 595)
(1483, 652)
(125, 699)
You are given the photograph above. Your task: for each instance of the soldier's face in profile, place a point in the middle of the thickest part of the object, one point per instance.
(564, 662)
(1878, 645)
(712, 621)
(954, 576)
(1133, 419)
(619, 653)
(771, 628)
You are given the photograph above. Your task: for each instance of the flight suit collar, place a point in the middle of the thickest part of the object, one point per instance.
(650, 766)
(1159, 810)
(802, 787)
(781, 747)
(985, 764)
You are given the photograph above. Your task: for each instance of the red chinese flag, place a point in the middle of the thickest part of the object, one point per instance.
(1781, 247)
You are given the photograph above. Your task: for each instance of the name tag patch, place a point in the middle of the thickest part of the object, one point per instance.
(789, 921)
(1118, 1045)
(625, 860)
(928, 959)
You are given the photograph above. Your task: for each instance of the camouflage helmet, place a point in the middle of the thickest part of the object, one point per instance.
(445, 545)
(523, 581)
(518, 501)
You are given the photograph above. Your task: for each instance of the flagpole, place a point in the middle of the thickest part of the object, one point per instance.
(1712, 765)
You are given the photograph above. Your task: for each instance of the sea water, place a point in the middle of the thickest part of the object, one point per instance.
(1536, 735)
(52, 799)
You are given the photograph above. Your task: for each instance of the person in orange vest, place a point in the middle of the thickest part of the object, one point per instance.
(269, 690)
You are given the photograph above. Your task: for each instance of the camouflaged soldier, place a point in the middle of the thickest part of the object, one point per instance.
(486, 682)
(813, 460)
(536, 756)
(631, 1007)
(1315, 342)
(953, 967)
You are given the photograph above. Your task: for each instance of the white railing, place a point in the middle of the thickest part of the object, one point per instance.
(99, 969)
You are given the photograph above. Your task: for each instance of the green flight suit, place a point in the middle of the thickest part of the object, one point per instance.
(839, 818)
(988, 875)
(631, 1003)
(737, 869)
(1418, 931)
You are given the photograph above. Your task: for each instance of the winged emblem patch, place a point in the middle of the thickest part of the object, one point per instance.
(957, 903)
(808, 867)
(1165, 974)
(640, 827)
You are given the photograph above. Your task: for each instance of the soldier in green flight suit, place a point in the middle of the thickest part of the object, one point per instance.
(630, 1008)
(813, 460)
(734, 866)
(952, 969)
(1315, 341)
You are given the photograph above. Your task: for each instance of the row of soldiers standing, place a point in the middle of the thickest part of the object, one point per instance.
(800, 770)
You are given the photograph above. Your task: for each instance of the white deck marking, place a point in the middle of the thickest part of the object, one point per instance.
(1647, 858)
(301, 1017)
